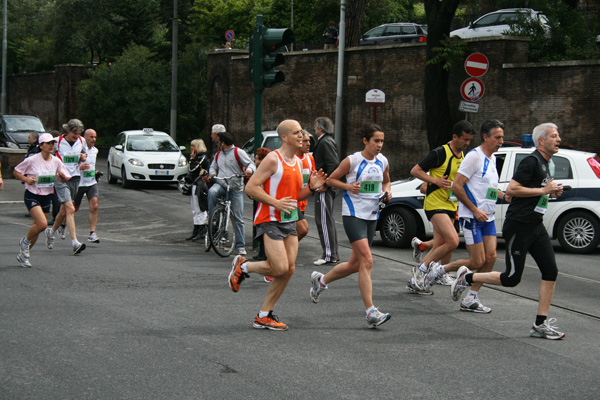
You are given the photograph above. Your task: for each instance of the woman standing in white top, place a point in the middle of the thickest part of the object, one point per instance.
(367, 178)
(39, 173)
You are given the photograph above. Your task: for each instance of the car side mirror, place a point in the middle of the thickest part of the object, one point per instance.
(470, 25)
(182, 148)
(119, 147)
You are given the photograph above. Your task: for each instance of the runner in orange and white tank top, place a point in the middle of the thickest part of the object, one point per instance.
(308, 166)
(286, 182)
(277, 184)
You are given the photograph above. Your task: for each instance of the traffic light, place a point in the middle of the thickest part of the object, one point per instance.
(272, 42)
(265, 46)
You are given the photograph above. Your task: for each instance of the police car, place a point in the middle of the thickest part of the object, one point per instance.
(145, 156)
(573, 218)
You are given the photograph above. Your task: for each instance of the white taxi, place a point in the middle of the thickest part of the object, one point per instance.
(573, 218)
(145, 156)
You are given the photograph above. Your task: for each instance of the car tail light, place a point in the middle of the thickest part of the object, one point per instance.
(423, 39)
(595, 165)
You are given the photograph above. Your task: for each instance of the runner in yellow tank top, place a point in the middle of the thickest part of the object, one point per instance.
(440, 206)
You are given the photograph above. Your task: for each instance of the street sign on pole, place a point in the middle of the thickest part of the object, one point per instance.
(375, 98)
(467, 106)
(476, 65)
(472, 89)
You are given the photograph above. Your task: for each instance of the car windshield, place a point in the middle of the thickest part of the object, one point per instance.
(273, 142)
(151, 143)
(23, 124)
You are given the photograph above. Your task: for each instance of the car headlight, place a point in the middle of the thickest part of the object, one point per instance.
(136, 162)
(11, 145)
(182, 161)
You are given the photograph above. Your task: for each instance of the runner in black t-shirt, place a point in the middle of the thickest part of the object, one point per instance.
(524, 231)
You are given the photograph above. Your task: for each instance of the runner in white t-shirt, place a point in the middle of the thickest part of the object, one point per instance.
(476, 187)
(88, 185)
(39, 172)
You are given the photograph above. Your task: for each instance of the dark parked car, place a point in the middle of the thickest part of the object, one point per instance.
(395, 33)
(14, 129)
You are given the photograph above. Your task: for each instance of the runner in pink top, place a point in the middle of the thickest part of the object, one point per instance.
(39, 172)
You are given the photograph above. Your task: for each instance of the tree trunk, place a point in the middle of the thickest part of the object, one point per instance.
(486, 6)
(355, 15)
(438, 119)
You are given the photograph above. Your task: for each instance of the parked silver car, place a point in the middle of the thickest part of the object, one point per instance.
(395, 33)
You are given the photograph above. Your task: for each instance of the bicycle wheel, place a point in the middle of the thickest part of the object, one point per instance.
(206, 239)
(222, 232)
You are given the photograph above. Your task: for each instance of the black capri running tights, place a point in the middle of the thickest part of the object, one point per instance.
(521, 238)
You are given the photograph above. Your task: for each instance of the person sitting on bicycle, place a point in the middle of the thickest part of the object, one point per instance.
(231, 160)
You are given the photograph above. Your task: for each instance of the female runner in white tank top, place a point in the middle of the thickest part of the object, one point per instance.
(367, 177)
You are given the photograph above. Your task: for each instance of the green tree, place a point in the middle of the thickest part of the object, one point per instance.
(130, 93)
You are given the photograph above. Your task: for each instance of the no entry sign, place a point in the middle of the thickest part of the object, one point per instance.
(476, 65)
(472, 89)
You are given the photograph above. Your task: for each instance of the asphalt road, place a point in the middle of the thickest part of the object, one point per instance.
(147, 315)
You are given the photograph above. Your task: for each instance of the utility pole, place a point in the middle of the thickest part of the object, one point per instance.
(4, 23)
(174, 72)
(340, 78)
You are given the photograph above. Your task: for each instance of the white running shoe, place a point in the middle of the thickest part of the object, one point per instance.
(445, 280)
(474, 306)
(93, 238)
(376, 318)
(460, 284)
(61, 232)
(24, 261)
(242, 251)
(414, 289)
(316, 288)
(546, 330)
(24, 248)
(78, 248)
(49, 238)
(417, 254)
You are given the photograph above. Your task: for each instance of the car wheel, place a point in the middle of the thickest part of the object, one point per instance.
(111, 178)
(579, 232)
(125, 183)
(398, 227)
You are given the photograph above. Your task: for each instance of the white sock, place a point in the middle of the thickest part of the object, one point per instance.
(440, 271)
(75, 242)
(472, 293)
(370, 309)
(322, 281)
(423, 268)
(262, 314)
(245, 268)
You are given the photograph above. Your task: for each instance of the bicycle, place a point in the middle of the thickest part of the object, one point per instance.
(220, 233)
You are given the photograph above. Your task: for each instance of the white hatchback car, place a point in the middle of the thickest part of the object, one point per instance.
(498, 22)
(145, 156)
(573, 219)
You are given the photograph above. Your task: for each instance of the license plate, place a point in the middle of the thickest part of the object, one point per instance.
(161, 172)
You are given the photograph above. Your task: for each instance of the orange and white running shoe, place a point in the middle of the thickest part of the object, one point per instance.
(237, 276)
(269, 322)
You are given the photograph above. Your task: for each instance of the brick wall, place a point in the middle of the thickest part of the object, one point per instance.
(520, 94)
(52, 96)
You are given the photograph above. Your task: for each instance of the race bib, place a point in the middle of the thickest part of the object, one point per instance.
(492, 194)
(71, 159)
(289, 216)
(45, 179)
(542, 205)
(305, 176)
(89, 173)
(452, 196)
(369, 187)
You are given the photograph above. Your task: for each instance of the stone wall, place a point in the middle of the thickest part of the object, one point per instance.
(520, 94)
(52, 96)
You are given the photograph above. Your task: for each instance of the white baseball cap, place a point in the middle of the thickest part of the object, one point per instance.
(46, 138)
